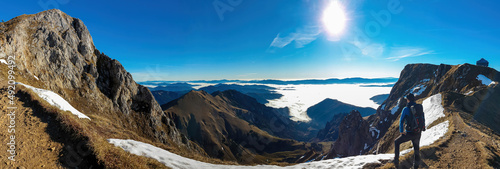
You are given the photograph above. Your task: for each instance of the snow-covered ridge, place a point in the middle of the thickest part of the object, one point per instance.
(55, 100)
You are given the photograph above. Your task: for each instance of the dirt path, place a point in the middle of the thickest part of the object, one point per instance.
(467, 147)
(461, 151)
(34, 137)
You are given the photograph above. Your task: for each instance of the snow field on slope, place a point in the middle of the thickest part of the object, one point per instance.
(395, 109)
(55, 100)
(431, 135)
(433, 109)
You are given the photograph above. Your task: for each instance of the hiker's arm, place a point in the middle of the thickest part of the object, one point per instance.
(401, 120)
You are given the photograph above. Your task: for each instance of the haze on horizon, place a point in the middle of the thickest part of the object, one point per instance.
(219, 39)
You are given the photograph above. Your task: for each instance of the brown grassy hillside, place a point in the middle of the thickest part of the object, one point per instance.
(213, 123)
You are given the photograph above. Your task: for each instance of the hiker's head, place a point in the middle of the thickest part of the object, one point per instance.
(410, 97)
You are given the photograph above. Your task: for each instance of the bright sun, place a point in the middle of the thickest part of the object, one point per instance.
(334, 18)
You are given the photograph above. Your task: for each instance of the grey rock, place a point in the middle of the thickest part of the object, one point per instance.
(59, 50)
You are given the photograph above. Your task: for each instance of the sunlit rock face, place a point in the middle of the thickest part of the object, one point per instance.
(59, 52)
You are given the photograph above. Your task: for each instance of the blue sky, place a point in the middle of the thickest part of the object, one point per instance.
(281, 39)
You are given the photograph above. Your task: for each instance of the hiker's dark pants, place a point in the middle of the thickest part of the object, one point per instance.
(415, 140)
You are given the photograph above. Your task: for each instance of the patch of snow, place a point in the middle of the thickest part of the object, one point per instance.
(485, 80)
(395, 109)
(373, 130)
(431, 135)
(36, 77)
(3, 61)
(419, 89)
(470, 92)
(425, 80)
(366, 146)
(383, 107)
(55, 100)
(433, 109)
(178, 162)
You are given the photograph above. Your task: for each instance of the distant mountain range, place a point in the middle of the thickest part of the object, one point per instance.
(167, 93)
(354, 80)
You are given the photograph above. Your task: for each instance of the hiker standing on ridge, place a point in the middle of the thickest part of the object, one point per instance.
(413, 116)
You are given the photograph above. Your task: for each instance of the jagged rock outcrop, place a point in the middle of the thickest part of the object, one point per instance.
(58, 50)
(354, 137)
(331, 130)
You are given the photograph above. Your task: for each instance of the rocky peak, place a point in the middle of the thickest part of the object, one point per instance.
(331, 130)
(51, 41)
(354, 137)
(56, 52)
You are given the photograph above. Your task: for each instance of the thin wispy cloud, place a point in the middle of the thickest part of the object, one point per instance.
(354, 48)
(301, 37)
(398, 53)
(369, 49)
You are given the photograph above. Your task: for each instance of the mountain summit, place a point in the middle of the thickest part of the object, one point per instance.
(55, 52)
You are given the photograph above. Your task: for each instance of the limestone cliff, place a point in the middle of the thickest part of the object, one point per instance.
(55, 51)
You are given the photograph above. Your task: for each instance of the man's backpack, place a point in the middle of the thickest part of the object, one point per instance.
(416, 119)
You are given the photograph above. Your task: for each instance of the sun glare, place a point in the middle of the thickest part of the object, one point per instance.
(334, 18)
